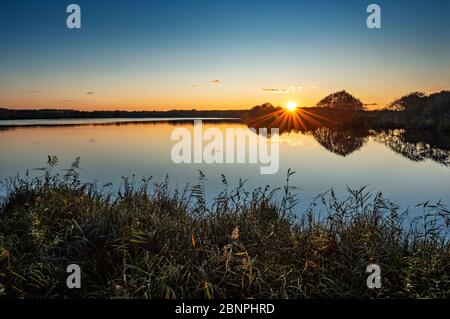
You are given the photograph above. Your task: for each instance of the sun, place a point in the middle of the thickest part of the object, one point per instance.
(291, 106)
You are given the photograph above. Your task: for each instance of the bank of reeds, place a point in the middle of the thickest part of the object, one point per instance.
(147, 241)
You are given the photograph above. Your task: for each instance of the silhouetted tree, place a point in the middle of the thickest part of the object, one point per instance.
(412, 102)
(433, 105)
(341, 100)
(265, 111)
(438, 104)
(266, 107)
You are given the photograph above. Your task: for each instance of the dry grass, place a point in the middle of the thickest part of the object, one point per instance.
(149, 242)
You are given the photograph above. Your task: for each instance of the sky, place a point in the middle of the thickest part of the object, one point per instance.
(207, 54)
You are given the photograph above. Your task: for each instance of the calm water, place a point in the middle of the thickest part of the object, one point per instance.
(408, 167)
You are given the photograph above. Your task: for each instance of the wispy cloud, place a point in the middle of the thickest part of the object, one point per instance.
(215, 81)
(272, 90)
(33, 91)
(76, 100)
(370, 104)
(194, 85)
(90, 93)
(291, 89)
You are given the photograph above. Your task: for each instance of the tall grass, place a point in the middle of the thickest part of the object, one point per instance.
(146, 241)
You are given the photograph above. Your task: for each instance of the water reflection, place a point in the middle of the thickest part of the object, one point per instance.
(417, 145)
(322, 157)
(8, 125)
(341, 142)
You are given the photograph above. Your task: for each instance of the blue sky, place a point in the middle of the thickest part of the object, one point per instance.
(168, 54)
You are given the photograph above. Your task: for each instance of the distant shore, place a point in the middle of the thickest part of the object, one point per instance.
(311, 117)
(53, 114)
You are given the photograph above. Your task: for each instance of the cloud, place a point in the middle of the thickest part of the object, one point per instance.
(370, 104)
(215, 81)
(290, 89)
(33, 91)
(75, 100)
(194, 85)
(90, 93)
(274, 90)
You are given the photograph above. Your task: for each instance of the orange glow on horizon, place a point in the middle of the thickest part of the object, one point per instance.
(291, 106)
(120, 100)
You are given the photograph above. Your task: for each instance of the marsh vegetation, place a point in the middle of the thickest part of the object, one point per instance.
(147, 241)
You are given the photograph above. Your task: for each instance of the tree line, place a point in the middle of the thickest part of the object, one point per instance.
(415, 102)
(8, 114)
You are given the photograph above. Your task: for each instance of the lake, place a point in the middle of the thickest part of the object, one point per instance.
(409, 167)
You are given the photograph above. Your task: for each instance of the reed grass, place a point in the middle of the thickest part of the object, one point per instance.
(147, 241)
